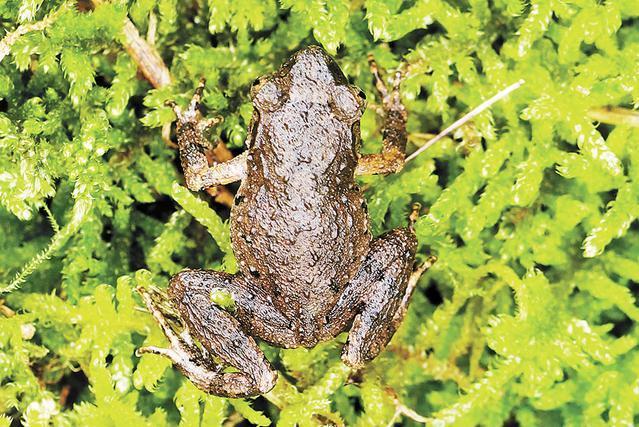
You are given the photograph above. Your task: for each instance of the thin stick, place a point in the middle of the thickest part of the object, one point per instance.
(143, 53)
(146, 57)
(615, 116)
(469, 116)
(402, 410)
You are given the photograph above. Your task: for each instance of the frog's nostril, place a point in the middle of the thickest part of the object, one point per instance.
(256, 82)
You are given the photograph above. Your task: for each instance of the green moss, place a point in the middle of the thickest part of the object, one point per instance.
(529, 314)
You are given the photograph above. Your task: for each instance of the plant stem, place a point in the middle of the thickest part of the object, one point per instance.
(149, 61)
(615, 116)
(11, 38)
(466, 118)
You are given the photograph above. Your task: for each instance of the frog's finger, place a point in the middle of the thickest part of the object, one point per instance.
(414, 215)
(173, 105)
(379, 82)
(197, 96)
(210, 123)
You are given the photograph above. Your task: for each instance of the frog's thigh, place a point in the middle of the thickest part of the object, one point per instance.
(221, 334)
(379, 290)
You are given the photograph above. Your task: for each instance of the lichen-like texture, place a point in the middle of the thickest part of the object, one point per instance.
(527, 318)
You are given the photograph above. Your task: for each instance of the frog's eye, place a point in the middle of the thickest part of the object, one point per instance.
(346, 104)
(267, 95)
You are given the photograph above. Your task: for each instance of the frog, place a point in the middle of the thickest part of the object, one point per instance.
(308, 265)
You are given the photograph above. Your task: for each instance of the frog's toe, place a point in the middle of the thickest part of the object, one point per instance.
(160, 351)
(231, 384)
(267, 381)
(158, 315)
(209, 377)
(192, 110)
(208, 124)
(176, 108)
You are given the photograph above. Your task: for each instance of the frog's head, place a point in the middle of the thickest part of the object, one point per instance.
(310, 76)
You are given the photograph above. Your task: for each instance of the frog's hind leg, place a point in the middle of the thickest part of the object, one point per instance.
(220, 334)
(380, 293)
(391, 159)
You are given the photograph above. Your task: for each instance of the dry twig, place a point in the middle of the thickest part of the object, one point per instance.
(615, 116)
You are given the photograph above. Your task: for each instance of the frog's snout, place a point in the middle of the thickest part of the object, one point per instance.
(313, 64)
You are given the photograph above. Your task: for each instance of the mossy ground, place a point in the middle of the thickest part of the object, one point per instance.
(527, 318)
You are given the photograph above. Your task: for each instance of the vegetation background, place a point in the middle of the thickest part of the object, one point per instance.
(529, 315)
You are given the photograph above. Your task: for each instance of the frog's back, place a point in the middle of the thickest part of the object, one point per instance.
(299, 223)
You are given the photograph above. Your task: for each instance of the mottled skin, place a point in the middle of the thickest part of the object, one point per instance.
(309, 268)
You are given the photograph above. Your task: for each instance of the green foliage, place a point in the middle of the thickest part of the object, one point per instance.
(529, 314)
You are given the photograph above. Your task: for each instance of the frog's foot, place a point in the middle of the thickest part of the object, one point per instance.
(391, 159)
(195, 362)
(219, 337)
(381, 290)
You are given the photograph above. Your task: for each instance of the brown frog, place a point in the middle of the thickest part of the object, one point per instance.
(309, 268)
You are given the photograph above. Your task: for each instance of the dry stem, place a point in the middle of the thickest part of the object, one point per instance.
(615, 116)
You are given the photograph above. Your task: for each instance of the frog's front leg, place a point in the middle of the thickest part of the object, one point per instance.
(379, 293)
(191, 130)
(391, 159)
(221, 332)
